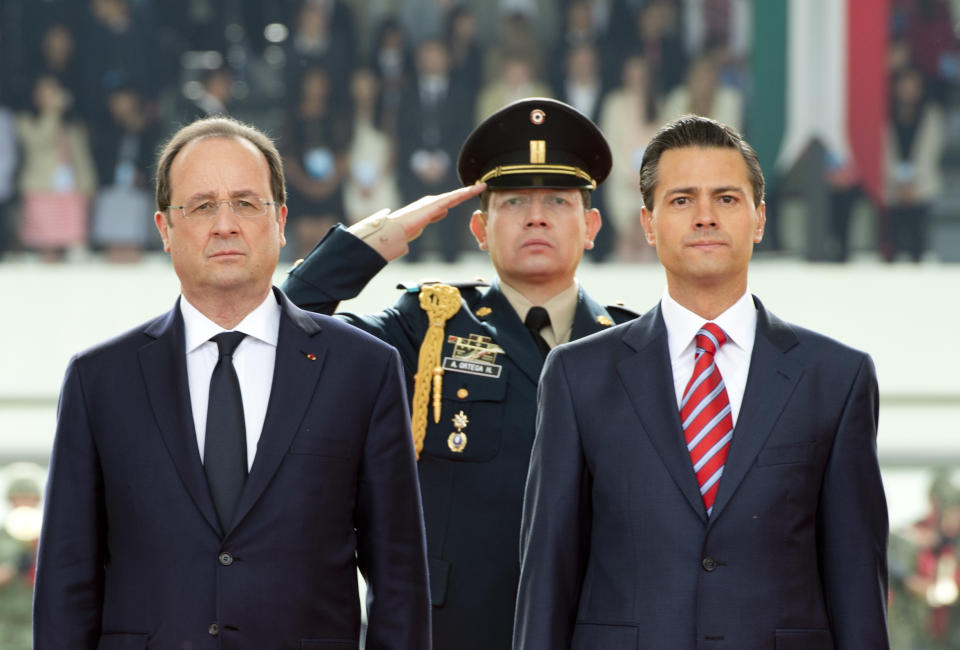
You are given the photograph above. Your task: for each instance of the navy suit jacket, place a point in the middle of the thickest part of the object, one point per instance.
(132, 554)
(617, 549)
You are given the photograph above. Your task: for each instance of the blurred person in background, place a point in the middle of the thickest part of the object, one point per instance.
(212, 97)
(57, 178)
(703, 94)
(124, 153)
(915, 142)
(322, 35)
(314, 146)
(466, 52)
(629, 119)
(9, 161)
(393, 60)
(19, 531)
(432, 123)
(371, 183)
(515, 80)
(581, 84)
(478, 350)
(660, 39)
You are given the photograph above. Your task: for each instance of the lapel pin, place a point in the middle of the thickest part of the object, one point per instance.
(604, 320)
(309, 355)
(484, 311)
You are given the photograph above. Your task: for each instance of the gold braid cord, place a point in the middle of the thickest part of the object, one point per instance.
(441, 302)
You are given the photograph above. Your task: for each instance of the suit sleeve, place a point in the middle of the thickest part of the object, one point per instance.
(68, 594)
(391, 543)
(853, 524)
(555, 530)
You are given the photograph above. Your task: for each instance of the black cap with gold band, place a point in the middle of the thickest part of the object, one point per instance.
(535, 142)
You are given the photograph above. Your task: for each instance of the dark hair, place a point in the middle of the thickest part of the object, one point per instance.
(696, 131)
(485, 198)
(219, 127)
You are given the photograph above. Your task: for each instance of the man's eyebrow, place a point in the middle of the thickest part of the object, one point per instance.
(727, 189)
(202, 196)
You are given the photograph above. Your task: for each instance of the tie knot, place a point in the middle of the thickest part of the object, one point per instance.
(227, 342)
(537, 318)
(710, 338)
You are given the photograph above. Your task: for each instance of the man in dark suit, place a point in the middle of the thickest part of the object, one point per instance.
(475, 360)
(221, 472)
(705, 477)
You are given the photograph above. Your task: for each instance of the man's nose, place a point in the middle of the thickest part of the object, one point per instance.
(705, 216)
(225, 221)
(537, 215)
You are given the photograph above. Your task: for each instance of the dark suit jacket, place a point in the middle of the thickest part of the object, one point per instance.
(472, 499)
(617, 550)
(132, 555)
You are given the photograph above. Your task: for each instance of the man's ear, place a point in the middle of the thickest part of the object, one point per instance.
(594, 223)
(646, 220)
(162, 225)
(761, 222)
(478, 226)
(282, 223)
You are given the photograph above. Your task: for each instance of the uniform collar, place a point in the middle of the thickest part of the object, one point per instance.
(561, 308)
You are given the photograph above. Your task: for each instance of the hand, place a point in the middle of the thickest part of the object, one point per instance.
(428, 209)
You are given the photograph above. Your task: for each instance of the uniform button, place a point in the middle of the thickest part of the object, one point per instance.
(709, 564)
(226, 559)
(462, 393)
(214, 629)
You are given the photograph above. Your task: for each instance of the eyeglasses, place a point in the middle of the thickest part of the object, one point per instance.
(250, 207)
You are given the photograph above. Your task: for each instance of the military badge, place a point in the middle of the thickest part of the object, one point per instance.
(457, 440)
(474, 355)
(604, 320)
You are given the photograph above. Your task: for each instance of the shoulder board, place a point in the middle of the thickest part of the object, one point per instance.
(621, 314)
(415, 286)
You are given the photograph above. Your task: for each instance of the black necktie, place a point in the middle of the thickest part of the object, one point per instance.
(538, 318)
(225, 447)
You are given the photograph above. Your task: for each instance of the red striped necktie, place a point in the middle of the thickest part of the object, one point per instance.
(705, 414)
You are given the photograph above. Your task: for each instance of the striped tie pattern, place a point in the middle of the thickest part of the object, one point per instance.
(705, 414)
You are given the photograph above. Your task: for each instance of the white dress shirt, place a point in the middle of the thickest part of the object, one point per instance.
(739, 323)
(253, 360)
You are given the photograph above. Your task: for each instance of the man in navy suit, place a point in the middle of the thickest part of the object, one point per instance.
(221, 472)
(706, 476)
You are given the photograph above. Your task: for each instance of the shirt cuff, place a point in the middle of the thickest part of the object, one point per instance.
(383, 235)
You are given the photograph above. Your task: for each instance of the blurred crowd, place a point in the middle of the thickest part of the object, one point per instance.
(370, 101)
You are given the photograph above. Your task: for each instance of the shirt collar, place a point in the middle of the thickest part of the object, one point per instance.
(561, 307)
(262, 323)
(739, 323)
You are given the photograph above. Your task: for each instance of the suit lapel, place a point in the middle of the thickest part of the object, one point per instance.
(770, 382)
(510, 333)
(164, 368)
(647, 377)
(299, 361)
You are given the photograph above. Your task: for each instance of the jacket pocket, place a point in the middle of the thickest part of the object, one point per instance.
(122, 641)
(804, 640)
(439, 571)
(481, 401)
(785, 454)
(593, 636)
(328, 644)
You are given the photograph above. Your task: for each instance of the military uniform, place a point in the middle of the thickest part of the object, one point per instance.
(476, 445)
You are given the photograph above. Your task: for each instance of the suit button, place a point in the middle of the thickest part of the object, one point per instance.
(226, 559)
(214, 629)
(709, 564)
(463, 393)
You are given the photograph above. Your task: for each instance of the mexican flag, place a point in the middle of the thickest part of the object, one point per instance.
(820, 71)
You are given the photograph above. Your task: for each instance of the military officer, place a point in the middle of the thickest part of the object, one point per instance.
(473, 352)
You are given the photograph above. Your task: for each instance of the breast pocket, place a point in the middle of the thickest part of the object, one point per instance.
(471, 418)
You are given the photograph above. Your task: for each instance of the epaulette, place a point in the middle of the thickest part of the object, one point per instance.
(621, 314)
(470, 284)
